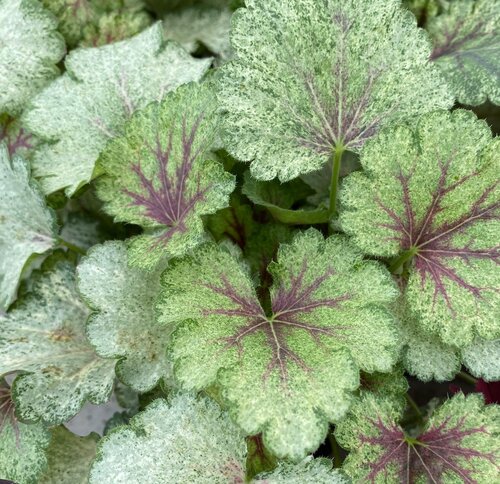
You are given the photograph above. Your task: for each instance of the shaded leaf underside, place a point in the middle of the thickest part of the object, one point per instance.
(437, 451)
(434, 243)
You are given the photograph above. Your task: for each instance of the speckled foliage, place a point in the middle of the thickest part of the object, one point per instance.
(30, 48)
(22, 447)
(275, 361)
(123, 324)
(160, 174)
(184, 440)
(43, 337)
(311, 75)
(81, 110)
(27, 226)
(430, 193)
(459, 443)
(466, 48)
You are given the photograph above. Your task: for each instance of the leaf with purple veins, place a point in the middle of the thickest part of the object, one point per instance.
(22, 446)
(459, 443)
(310, 76)
(286, 368)
(430, 195)
(466, 48)
(159, 174)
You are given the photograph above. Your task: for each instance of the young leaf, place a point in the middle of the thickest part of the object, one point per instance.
(123, 324)
(22, 447)
(27, 226)
(430, 196)
(159, 176)
(289, 371)
(69, 457)
(467, 48)
(317, 471)
(98, 22)
(309, 76)
(458, 444)
(30, 48)
(207, 26)
(186, 440)
(44, 337)
(100, 90)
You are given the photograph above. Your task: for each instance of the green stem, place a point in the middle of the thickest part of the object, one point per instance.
(71, 246)
(467, 378)
(414, 406)
(334, 184)
(337, 460)
(396, 263)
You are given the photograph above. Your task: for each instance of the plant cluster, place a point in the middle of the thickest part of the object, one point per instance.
(259, 226)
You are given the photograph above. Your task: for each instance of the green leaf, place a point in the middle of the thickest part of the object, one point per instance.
(82, 230)
(43, 336)
(186, 440)
(159, 174)
(467, 48)
(27, 226)
(18, 140)
(278, 199)
(288, 372)
(30, 48)
(22, 447)
(98, 22)
(309, 76)
(69, 457)
(317, 471)
(207, 26)
(385, 385)
(459, 443)
(481, 359)
(431, 191)
(80, 111)
(123, 324)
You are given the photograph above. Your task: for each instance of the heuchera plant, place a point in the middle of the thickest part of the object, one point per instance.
(266, 232)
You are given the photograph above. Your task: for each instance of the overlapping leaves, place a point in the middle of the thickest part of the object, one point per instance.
(287, 367)
(43, 337)
(431, 196)
(311, 75)
(159, 174)
(459, 443)
(81, 110)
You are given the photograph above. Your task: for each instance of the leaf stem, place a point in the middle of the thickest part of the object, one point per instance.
(72, 247)
(467, 378)
(414, 406)
(337, 460)
(334, 183)
(398, 261)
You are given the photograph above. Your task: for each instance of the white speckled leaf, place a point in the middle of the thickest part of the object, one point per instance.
(22, 447)
(44, 336)
(27, 226)
(69, 457)
(79, 112)
(30, 48)
(198, 25)
(123, 324)
(431, 191)
(482, 358)
(188, 440)
(457, 444)
(466, 38)
(288, 372)
(162, 176)
(309, 75)
(309, 471)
